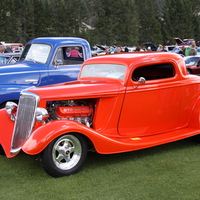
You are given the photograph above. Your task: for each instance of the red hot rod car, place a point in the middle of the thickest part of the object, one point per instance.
(120, 103)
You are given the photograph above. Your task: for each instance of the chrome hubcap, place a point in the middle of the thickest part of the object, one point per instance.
(66, 152)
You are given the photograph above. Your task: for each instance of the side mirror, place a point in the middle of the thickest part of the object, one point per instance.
(58, 62)
(141, 81)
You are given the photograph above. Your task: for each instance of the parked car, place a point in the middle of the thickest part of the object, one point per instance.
(193, 64)
(198, 50)
(98, 50)
(176, 49)
(184, 42)
(120, 103)
(169, 48)
(153, 47)
(44, 61)
(9, 58)
(130, 49)
(14, 47)
(150, 44)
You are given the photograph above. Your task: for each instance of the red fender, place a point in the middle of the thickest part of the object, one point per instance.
(41, 137)
(6, 127)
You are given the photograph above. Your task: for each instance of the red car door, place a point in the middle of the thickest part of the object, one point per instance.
(152, 107)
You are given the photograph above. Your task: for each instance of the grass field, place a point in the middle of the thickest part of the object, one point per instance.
(167, 172)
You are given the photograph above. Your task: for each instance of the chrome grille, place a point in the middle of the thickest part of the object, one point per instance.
(25, 119)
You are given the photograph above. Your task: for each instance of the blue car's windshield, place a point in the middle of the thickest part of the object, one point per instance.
(36, 53)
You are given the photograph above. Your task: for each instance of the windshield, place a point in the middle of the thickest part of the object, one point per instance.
(176, 50)
(191, 61)
(3, 60)
(36, 53)
(104, 70)
(186, 41)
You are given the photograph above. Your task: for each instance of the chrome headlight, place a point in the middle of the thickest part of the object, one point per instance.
(11, 109)
(41, 114)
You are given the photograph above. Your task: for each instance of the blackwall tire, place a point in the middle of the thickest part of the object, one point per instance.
(2, 151)
(189, 71)
(196, 138)
(65, 155)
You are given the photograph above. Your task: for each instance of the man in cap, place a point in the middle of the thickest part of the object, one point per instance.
(4, 49)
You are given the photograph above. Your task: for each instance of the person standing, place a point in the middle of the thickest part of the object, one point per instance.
(126, 49)
(192, 51)
(160, 47)
(182, 51)
(119, 49)
(3, 49)
(74, 53)
(138, 49)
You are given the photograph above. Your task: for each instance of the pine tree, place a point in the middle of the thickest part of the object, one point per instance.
(178, 19)
(7, 22)
(116, 22)
(40, 20)
(150, 28)
(25, 20)
(196, 22)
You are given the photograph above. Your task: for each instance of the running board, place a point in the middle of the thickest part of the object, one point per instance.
(124, 144)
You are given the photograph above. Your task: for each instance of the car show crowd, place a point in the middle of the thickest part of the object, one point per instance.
(187, 48)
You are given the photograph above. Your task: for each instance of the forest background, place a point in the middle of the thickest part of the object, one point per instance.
(119, 22)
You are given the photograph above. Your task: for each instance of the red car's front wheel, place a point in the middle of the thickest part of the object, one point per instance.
(65, 155)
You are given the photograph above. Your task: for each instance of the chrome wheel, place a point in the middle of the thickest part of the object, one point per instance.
(65, 155)
(66, 152)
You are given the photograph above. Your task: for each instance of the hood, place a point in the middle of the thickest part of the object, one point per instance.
(79, 89)
(184, 42)
(179, 41)
(150, 44)
(21, 73)
(101, 47)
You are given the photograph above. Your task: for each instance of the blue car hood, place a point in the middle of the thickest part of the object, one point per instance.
(22, 73)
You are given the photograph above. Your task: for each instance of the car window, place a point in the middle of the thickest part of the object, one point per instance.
(36, 53)
(191, 61)
(14, 60)
(104, 70)
(152, 72)
(3, 60)
(176, 49)
(69, 55)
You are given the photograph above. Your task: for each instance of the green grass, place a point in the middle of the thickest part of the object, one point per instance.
(167, 172)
